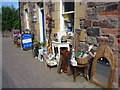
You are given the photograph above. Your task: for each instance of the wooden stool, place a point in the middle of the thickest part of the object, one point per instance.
(85, 71)
(81, 63)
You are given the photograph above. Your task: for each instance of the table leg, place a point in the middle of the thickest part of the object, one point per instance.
(68, 47)
(58, 54)
(53, 49)
(59, 65)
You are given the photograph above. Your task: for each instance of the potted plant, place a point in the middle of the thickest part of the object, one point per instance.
(36, 46)
(43, 44)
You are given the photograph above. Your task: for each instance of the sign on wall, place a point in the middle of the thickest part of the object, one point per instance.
(26, 40)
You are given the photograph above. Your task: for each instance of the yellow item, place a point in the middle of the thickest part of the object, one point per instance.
(83, 35)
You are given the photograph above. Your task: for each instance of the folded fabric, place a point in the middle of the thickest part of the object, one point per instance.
(73, 62)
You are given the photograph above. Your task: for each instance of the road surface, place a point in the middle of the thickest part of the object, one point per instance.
(21, 70)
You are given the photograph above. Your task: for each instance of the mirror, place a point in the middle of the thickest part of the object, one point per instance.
(103, 67)
(102, 71)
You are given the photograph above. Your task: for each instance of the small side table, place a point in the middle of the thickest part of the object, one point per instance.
(59, 45)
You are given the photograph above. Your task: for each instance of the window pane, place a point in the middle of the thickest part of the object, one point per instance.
(69, 6)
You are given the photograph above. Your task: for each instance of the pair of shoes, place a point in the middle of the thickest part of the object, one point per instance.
(36, 57)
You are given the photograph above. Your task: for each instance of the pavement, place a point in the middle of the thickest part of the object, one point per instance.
(21, 70)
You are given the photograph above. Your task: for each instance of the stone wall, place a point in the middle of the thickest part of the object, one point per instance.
(80, 13)
(56, 17)
(22, 15)
(30, 6)
(52, 18)
(105, 21)
(103, 29)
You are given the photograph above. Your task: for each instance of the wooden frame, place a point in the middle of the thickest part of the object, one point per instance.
(104, 51)
(75, 45)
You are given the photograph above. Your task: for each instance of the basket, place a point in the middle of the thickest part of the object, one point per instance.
(81, 60)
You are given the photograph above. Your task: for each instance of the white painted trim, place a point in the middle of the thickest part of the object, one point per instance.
(40, 24)
(61, 17)
(42, 8)
(27, 21)
(68, 12)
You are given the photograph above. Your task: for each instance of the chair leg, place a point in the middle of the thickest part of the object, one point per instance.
(86, 73)
(75, 71)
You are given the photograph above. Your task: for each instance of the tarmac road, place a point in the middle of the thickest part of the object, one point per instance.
(21, 70)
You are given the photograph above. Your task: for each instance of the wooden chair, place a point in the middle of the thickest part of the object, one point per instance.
(85, 71)
(83, 64)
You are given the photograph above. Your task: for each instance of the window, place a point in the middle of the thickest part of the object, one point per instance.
(67, 16)
(40, 4)
(68, 6)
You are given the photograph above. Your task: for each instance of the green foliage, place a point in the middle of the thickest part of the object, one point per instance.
(10, 18)
(43, 44)
(35, 41)
(16, 24)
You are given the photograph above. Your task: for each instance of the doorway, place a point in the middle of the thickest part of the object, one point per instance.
(41, 22)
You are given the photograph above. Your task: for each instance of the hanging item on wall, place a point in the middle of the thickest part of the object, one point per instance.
(51, 23)
(47, 17)
(51, 6)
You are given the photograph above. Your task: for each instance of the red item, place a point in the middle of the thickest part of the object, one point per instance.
(65, 54)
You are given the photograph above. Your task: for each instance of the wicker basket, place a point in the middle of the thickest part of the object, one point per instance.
(82, 60)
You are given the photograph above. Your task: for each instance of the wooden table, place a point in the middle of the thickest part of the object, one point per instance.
(59, 45)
